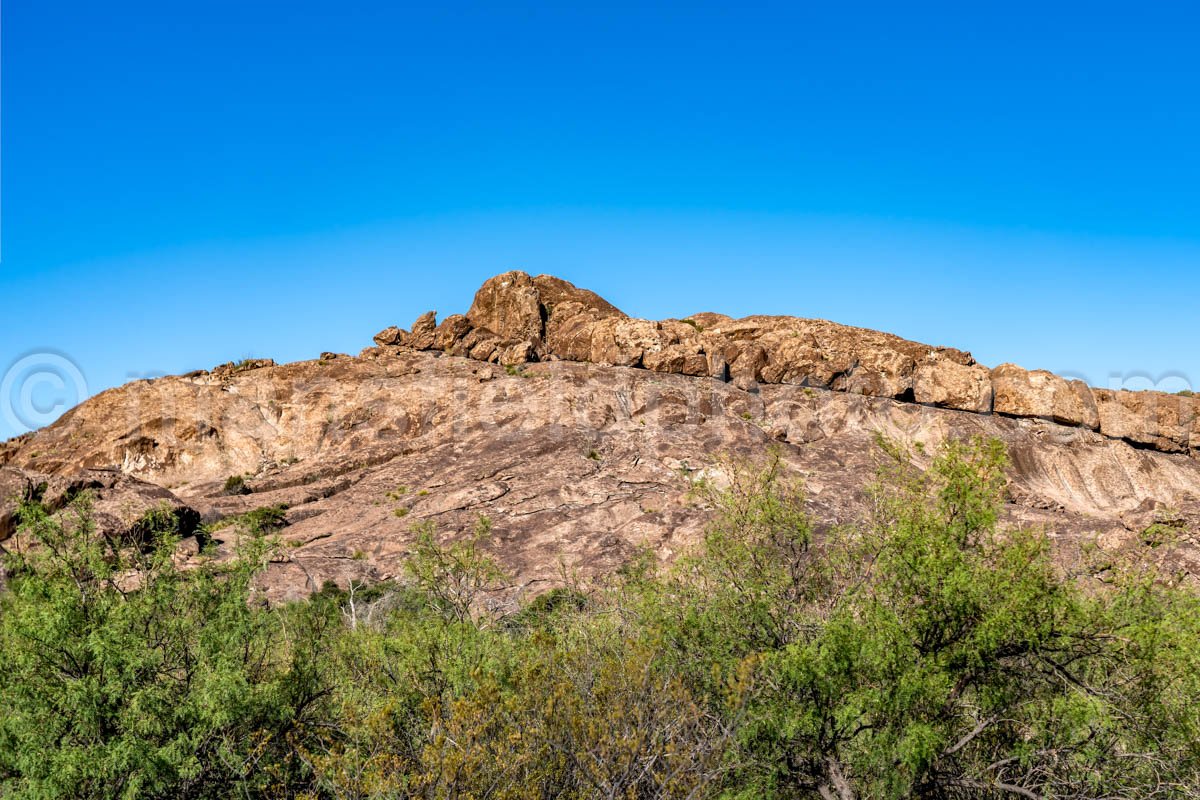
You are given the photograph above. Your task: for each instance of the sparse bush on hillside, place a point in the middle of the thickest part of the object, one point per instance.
(235, 484)
(926, 651)
(264, 519)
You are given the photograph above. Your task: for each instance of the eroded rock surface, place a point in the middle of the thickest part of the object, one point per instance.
(516, 318)
(588, 444)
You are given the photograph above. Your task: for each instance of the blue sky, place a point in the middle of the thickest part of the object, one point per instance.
(187, 183)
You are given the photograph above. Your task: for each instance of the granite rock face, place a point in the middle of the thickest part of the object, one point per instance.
(1043, 395)
(587, 447)
(516, 318)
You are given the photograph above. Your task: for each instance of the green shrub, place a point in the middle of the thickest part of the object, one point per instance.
(258, 521)
(927, 650)
(121, 676)
(235, 485)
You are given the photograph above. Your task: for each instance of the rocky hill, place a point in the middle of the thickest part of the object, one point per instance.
(579, 432)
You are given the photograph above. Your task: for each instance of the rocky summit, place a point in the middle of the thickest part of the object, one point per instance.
(580, 433)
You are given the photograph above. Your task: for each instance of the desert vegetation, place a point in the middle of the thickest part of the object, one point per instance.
(926, 650)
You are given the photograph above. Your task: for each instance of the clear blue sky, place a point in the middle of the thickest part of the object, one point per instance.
(186, 183)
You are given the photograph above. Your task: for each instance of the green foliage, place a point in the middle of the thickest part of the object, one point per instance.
(258, 521)
(456, 577)
(123, 677)
(235, 485)
(265, 519)
(927, 650)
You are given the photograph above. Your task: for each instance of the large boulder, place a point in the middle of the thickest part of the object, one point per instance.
(554, 292)
(390, 336)
(1039, 394)
(516, 307)
(1151, 419)
(578, 333)
(424, 329)
(449, 336)
(509, 306)
(942, 382)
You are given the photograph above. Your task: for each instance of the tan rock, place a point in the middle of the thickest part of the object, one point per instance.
(569, 332)
(631, 340)
(424, 332)
(515, 354)
(886, 374)
(390, 336)
(333, 439)
(707, 320)
(510, 306)
(481, 345)
(617, 341)
(678, 359)
(946, 383)
(449, 334)
(1151, 419)
(1040, 394)
(798, 360)
(745, 369)
(554, 292)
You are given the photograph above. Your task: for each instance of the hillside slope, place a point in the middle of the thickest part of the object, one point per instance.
(579, 433)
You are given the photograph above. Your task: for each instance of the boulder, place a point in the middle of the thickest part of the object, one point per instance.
(554, 292)
(515, 354)
(678, 359)
(1040, 394)
(510, 306)
(797, 361)
(1151, 419)
(576, 333)
(390, 336)
(449, 335)
(424, 331)
(945, 383)
(568, 333)
(745, 368)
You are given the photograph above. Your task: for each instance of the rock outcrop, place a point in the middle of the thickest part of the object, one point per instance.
(516, 319)
(588, 444)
